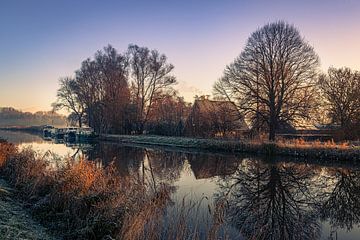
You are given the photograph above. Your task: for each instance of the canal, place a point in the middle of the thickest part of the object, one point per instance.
(280, 198)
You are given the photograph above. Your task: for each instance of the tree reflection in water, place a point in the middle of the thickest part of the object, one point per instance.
(266, 199)
(271, 201)
(342, 201)
(126, 159)
(166, 165)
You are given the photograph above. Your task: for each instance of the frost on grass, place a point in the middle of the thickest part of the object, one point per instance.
(15, 222)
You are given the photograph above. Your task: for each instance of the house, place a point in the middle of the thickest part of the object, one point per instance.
(209, 118)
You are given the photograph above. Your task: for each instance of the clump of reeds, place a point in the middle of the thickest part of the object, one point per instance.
(187, 219)
(317, 144)
(6, 150)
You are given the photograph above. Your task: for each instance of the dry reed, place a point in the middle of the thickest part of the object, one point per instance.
(82, 200)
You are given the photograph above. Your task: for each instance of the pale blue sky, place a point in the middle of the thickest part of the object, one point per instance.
(41, 41)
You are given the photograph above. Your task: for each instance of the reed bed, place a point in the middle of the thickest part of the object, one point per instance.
(301, 143)
(82, 200)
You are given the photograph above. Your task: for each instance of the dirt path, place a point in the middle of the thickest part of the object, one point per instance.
(15, 222)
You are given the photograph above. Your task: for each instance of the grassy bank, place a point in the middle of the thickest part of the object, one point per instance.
(82, 200)
(326, 151)
(15, 221)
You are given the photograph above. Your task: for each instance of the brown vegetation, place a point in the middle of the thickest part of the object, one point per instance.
(168, 115)
(301, 143)
(82, 200)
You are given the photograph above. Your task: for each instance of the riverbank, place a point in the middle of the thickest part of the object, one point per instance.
(15, 221)
(324, 151)
(77, 200)
(80, 199)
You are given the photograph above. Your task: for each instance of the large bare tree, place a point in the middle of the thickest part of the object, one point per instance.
(101, 85)
(273, 80)
(150, 76)
(69, 100)
(341, 91)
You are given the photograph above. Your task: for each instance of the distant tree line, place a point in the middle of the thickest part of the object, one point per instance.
(10, 117)
(275, 82)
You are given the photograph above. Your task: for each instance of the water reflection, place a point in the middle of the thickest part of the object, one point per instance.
(20, 137)
(271, 201)
(342, 202)
(127, 160)
(209, 166)
(266, 198)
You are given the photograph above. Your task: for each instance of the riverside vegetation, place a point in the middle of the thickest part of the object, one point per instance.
(323, 151)
(81, 200)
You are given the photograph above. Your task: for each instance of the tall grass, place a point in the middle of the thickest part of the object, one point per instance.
(301, 143)
(82, 200)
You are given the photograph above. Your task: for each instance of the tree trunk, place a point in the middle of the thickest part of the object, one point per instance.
(272, 127)
(80, 122)
(272, 132)
(140, 128)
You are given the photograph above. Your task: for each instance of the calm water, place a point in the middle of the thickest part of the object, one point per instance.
(266, 198)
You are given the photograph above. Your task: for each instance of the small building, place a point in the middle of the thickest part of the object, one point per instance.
(309, 131)
(209, 118)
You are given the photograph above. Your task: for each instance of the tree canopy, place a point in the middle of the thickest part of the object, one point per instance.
(273, 80)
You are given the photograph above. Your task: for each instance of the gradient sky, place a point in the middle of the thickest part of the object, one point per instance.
(41, 41)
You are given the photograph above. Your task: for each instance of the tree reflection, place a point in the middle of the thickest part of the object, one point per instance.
(342, 202)
(271, 201)
(127, 160)
(165, 165)
(211, 165)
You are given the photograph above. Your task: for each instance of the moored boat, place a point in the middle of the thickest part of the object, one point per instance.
(85, 134)
(47, 131)
(70, 134)
(58, 133)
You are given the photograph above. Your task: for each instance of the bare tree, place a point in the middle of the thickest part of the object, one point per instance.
(102, 87)
(271, 201)
(150, 76)
(167, 115)
(341, 91)
(68, 99)
(113, 68)
(273, 79)
(341, 198)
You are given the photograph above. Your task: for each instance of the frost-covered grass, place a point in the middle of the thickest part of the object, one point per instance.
(183, 142)
(328, 150)
(15, 222)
